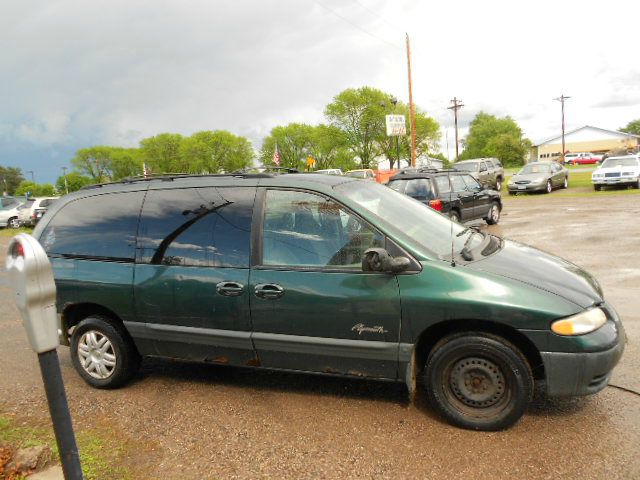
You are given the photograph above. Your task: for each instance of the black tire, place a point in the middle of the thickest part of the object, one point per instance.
(549, 188)
(13, 222)
(597, 188)
(454, 216)
(511, 192)
(498, 184)
(565, 184)
(499, 372)
(493, 215)
(126, 359)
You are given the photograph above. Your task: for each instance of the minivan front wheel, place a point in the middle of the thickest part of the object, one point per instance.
(103, 354)
(478, 381)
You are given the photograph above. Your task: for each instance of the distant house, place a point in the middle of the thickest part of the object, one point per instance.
(585, 139)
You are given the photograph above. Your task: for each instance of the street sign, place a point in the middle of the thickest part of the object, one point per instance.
(396, 125)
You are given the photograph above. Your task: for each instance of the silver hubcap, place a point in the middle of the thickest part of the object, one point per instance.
(549, 187)
(14, 223)
(495, 213)
(498, 185)
(96, 354)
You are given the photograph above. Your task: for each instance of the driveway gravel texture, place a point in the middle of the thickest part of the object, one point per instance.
(181, 420)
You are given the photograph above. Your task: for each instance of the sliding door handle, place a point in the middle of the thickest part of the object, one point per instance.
(269, 291)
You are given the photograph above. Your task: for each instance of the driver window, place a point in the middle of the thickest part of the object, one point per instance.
(306, 230)
(472, 184)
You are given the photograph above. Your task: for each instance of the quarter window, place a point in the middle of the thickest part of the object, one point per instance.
(307, 230)
(97, 227)
(207, 227)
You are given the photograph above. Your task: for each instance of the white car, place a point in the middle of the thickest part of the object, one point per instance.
(617, 171)
(9, 215)
(331, 171)
(27, 211)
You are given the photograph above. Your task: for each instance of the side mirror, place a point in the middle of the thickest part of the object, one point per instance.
(379, 260)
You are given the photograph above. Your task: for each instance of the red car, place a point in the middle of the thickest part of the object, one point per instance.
(582, 158)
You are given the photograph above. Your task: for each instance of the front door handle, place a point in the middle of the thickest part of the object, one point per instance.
(269, 291)
(230, 289)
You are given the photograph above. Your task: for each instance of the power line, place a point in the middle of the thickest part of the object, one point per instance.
(372, 12)
(356, 26)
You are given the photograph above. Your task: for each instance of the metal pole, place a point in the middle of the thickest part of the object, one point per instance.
(561, 99)
(66, 186)
(60, 416)
(398, 149)
(33, 178)
(457, 104)
(411, 110)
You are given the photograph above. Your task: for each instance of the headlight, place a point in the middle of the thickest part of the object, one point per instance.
(581, 323)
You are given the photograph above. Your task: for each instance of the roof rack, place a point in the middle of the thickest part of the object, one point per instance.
(168, 177)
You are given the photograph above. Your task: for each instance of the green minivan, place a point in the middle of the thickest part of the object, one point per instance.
(324, 274)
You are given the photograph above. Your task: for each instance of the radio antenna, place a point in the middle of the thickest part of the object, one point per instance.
(453, 262)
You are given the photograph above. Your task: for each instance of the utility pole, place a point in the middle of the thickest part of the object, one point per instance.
(411, 110)
(561, 99)
(64, 174)
(32, 175)
(456, 105)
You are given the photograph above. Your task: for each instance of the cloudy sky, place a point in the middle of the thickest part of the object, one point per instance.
(80, 73)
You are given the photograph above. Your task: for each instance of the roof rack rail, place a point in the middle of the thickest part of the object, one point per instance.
(172, 176)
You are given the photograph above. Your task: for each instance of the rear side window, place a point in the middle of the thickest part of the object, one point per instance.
(98, 227)
(397, 185)
(420, 189)
(443, 185)
(206, 227)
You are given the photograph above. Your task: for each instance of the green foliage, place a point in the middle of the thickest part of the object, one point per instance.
(162, 153)
(632, 127)
(75, 181)
(213, 152)
(294, 145)
(490, 136)
(10, 178)
(94, 162)
(360, 114)
(35, 189)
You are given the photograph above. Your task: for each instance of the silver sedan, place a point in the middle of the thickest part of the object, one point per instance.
(539, 177)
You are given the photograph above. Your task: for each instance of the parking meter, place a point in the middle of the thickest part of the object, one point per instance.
(34, 290)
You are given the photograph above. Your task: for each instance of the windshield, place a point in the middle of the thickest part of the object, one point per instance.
(407, 217)
(620, 162)
(467, 167)
(535, 168)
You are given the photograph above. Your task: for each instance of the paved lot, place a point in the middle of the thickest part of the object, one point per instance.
(194, 421)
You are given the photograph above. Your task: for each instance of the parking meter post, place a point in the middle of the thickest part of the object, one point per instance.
(60, 416)
(34, 291)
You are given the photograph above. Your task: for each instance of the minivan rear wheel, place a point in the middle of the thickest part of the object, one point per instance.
(102, 353)
(478, 381)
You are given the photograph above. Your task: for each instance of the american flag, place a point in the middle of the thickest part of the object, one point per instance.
(145, 170)
(276, 156)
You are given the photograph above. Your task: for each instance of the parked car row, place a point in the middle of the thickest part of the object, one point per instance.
(23, 211)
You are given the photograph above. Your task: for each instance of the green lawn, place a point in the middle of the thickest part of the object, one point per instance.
(10, 232)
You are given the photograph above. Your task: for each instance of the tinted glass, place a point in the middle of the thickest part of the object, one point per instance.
(467, 167)
(397, 185)
(8, 202)
(443, 184)
(47, 202)
(303, 229)
(483, 167)
(472, 183)
(535, 168)
(457, 183)
(102, 226)
(209, 227)
(420, 189)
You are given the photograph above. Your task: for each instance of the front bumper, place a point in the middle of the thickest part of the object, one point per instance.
(584, 373)
(527, 187)
(615, 181)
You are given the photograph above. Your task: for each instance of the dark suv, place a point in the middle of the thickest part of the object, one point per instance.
(456, 194)
(324, 274)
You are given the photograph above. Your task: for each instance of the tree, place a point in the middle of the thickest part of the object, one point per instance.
(10, 178)
(215, 151)
(329, 147)
(161, 153)
(94, 162)
(360, 114)
(75, 181)
(632, 127)
(294, 145)
(35, 189)
(125, 162)
(490, 136)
